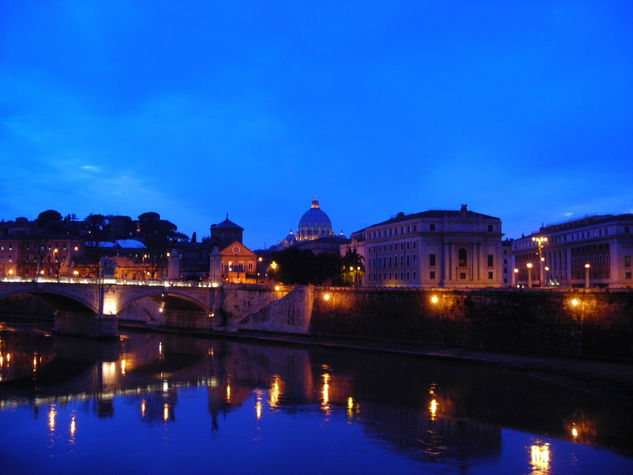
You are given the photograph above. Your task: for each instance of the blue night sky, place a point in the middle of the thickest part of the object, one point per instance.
(522, 110)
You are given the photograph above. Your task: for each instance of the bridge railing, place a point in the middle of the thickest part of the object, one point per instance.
(109, 281)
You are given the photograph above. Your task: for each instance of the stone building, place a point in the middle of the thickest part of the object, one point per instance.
(39, 256)
(603, 242)
(432, 249)
(314, 233)
(239, 264)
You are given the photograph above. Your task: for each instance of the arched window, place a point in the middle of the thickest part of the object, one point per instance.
(462, 257)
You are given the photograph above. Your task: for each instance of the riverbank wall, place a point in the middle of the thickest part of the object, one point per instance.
(587, 323)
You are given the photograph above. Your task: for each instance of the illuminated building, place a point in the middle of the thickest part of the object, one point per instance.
(239, 264)
(604, 242)
(314, 223)
(432, 249)
(314, 234)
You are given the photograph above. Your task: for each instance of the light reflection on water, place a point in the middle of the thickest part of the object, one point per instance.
(210, 395)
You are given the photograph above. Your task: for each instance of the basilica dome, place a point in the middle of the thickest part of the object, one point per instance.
(314, 223)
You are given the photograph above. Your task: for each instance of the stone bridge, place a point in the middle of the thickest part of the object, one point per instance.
(94, 308)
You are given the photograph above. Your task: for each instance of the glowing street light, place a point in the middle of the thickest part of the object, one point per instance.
(540, 242)
(529, 267)
(515, 271)
(587, 267)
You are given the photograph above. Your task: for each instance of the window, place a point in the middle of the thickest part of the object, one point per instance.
(414, 226)
(413, 259)
(408, 276)
(489, 275)
(413, 275)
(432, 227)
(462, 258)
(491, 260)
(505, 270)
(490, 228)
(627, 275)
(627, 261)
(432, 260)
(407, 259)
(505, 261)
(462, 275)
(432, 275)
(627, 230)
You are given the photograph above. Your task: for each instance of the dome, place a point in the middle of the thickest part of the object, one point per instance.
(314, 223)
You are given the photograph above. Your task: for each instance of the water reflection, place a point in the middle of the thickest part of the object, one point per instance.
(427, 411)
(540, 458)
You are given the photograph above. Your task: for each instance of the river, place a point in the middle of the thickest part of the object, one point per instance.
(167, 403)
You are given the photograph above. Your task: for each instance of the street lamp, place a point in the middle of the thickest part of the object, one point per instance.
(540, 242)
(515, 271)
(529, 266)
(587, 267)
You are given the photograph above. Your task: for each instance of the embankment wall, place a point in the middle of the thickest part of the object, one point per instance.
(575, 322)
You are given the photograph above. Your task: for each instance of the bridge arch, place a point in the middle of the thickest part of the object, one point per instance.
(58, 298)
(156, 292)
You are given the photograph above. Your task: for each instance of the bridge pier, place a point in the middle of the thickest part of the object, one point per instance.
(86, 324)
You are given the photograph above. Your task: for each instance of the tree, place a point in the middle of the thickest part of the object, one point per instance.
(352, 269)
(49, 220)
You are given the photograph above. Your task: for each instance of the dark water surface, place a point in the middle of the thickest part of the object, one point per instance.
(166, 403)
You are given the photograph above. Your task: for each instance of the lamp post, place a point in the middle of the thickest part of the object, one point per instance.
(529, 267)
(544, 275)
(540, 242)
(587, 267)
(515, 271)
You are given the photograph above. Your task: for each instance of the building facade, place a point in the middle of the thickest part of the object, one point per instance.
(453, 249)
(239, 264)
(596, 250)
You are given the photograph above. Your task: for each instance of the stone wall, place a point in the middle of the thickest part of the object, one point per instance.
(290, 314)
(576, 322)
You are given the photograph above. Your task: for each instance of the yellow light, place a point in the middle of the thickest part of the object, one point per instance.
(433, 409)
(110, 305)
(55, 251)
(10, 271)
(434, 299)
(587, 265)
(542, 259)
(529, 265)
(350, 403)
(160, 348)
(277, 288)
(260, 259)
(73, 426)
(327, 297)
(169, 254)
(547, 268)
(75, 272)
(228, 393)
(326, 390)
(258, 408)
(166, 412)
(575, 302)
(540, 457)
(274, 391)
(34, 363)
(42, 272)
(143, 407)
(516, 271)
(273, 265)
(574, 432)
(52, 413)
(123, 365)
(76, 248)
